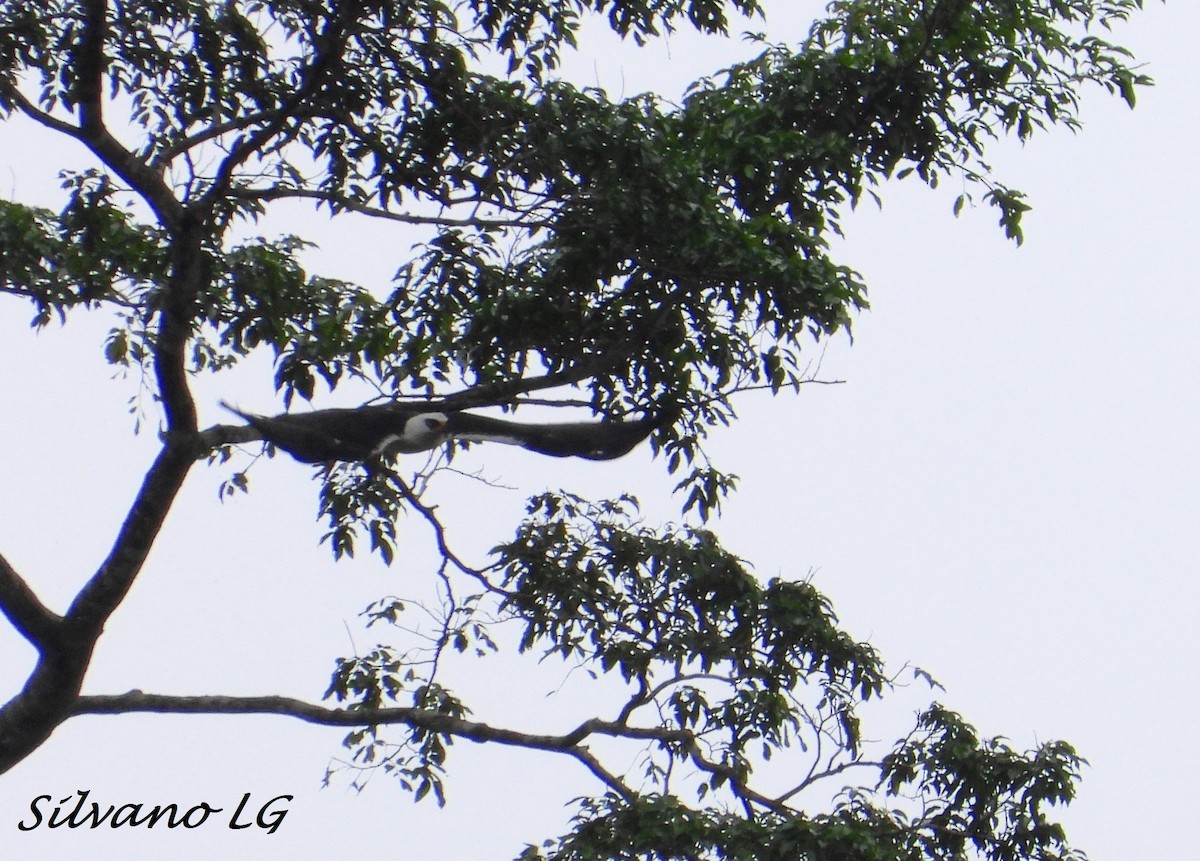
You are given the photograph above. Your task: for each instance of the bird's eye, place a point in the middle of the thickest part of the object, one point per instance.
(433, 424)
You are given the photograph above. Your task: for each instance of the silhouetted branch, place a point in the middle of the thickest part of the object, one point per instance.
(338, 201)
(53, 687)
(568, 743)
(330, 45)
(89, 94)
(38, 115)
(32, 619)
(737, 781)
(169, 153)
(138, 701)
(105, 590)
(607, 777)
(815, 776)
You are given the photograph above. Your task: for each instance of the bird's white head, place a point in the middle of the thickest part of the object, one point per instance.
(425, 430)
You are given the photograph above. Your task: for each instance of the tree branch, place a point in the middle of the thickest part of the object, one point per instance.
(89, 66)
(89, 94)
(736, 781)
(338, 201)
(607, 777)
(187, 270)
(330, 44)
(137, 702)
(42, 117)
(439, 533)
(170, 152)
(50, 693)
(108, 586)
(32, 619)
(815, 776)
(493, 394)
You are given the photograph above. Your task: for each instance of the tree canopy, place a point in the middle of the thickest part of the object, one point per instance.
(606, 258)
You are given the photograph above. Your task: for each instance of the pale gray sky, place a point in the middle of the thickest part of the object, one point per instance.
(1004, 491)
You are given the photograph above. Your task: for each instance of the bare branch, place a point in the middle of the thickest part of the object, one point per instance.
(137, 701)
(607, 777)
(105, 590)
(569, 743)
(32, 619)
(183, 145)
(439, 532)
(641, 697)
(814, 776)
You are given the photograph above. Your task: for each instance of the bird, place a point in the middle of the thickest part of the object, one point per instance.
(355, 434)
(383, 431)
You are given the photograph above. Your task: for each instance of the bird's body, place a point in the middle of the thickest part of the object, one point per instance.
(364, 433)
(350, 434)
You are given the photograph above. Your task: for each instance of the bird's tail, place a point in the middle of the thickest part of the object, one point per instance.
(249, 417)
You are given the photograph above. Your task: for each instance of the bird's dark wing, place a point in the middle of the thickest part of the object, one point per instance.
(334, 434)
(604, 440)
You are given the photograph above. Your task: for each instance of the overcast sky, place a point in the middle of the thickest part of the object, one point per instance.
(1005, 491)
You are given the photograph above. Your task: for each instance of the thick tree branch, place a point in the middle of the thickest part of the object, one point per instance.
(66, 644)
(187, 270)
(105, 590)
(89, 95)
(89, 66)
(32, 619)
(49, 694)
(189, 276)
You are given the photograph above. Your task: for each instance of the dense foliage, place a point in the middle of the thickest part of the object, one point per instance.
(613, 256)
